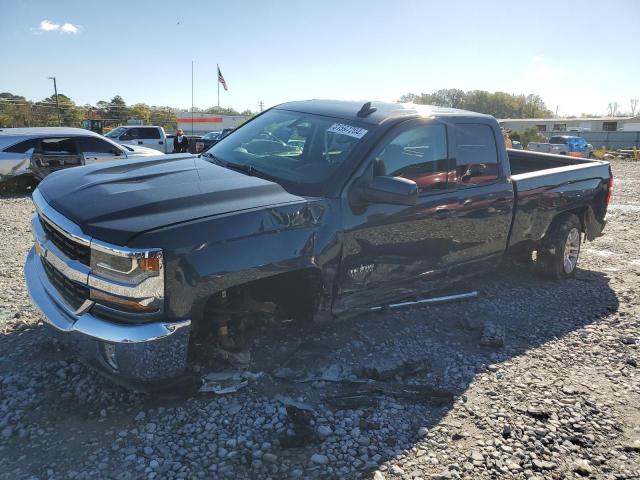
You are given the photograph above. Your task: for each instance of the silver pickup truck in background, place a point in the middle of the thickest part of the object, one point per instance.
(148, 136)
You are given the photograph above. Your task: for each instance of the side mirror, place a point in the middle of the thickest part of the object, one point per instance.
(391, 190)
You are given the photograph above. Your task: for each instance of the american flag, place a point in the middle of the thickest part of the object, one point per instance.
(221, 79)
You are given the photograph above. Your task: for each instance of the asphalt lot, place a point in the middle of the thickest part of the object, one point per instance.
(558, 400)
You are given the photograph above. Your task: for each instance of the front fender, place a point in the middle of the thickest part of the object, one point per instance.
(206, 256)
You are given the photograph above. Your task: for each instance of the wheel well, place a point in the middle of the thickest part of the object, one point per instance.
(579, 212)
(297, 293)
(284, 287)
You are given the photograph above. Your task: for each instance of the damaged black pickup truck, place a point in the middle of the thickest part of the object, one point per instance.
(312, 207)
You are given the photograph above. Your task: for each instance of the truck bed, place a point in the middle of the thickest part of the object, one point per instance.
(546, 185)
(523, 161)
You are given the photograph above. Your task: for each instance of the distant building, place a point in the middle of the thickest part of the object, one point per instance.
(587, 124)
(207, 122)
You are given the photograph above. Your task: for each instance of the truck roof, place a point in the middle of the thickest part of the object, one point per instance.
(348, 110)
(39, 131)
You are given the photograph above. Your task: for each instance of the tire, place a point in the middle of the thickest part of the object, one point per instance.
(558, 255)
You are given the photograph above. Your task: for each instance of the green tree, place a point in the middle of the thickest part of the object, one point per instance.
(15, 110)
(117, 110)
(141, 111)
(45, 112)
(531, 134)
(498, 104)
(164, 117)
(222, 110)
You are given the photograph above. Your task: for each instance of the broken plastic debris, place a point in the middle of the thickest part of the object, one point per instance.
(235, 359)
(290, 402)
(229, 381)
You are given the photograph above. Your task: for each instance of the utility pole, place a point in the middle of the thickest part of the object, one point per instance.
(261, 105)
(191, 97)
(55, 89)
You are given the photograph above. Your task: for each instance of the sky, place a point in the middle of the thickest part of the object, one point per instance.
(577, 55)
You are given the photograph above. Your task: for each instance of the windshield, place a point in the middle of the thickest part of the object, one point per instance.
(292, 148)
(212, 135)
(116, 132)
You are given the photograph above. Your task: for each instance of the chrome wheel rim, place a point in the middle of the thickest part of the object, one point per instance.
(571, 250)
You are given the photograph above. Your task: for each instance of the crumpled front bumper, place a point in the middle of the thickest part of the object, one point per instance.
(134, 353)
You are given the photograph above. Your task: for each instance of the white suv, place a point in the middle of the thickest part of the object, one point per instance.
(39, 151)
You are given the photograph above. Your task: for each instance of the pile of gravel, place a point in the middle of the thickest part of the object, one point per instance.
(542, 378)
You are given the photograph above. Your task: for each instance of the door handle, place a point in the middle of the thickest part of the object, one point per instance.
(139, 142)
(501, 200)
(160, 142)
(467, 202)
(442, 213)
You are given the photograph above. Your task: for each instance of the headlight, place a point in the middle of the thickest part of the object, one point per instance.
(125, 268)
(131, 280)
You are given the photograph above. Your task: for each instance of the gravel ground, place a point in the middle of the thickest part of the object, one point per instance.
(559, 399)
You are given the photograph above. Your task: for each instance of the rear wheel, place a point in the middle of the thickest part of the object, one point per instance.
(558, 256)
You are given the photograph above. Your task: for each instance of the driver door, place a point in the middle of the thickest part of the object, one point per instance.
(395, 251)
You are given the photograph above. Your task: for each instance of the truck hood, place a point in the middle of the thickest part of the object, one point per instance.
(138, 151)
(116, 201)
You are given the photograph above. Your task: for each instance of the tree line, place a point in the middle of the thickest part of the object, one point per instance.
(498, 104)
(18, 111)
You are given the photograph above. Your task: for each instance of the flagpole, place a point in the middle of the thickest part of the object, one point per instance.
(218, 82)
(191, 97)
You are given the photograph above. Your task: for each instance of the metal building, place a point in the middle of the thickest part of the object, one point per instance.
(607, 132)
(586, 124)
(207, 122)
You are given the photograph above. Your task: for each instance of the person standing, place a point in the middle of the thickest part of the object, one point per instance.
(180, 142)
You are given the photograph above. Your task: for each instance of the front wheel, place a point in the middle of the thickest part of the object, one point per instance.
(558, 256)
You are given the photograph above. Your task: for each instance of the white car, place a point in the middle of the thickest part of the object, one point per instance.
(39, 151)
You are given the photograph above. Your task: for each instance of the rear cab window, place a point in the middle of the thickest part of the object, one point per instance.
(149, 133)
(476, 154)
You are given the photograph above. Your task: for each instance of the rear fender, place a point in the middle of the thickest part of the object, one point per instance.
(592, 227)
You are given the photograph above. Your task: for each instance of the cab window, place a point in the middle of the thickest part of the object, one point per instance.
(149, 133)
(419, 154)
(24, 146)
(131, 134)
(476, 155)
(95, 145)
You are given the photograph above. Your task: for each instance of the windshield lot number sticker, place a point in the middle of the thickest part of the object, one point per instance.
(342, 129)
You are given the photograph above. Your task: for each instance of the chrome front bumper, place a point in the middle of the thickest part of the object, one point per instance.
(135, 352)
(145, 353)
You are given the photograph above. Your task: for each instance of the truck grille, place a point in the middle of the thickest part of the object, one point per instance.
(71, 249)
(73, 293)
